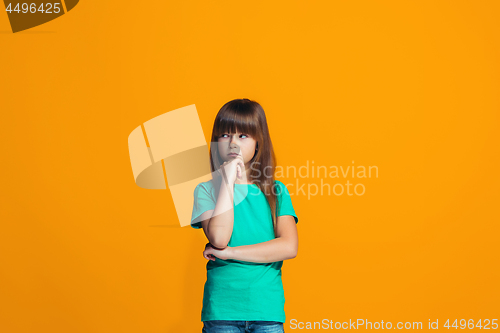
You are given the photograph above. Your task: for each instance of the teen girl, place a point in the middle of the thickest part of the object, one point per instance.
(250, 223)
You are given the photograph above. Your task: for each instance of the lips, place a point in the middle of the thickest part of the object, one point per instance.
(232, 154)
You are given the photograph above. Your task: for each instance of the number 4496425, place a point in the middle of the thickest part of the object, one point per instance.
(463, 324)
(32, 8)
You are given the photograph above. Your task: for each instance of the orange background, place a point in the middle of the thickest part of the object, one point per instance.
(410, 87)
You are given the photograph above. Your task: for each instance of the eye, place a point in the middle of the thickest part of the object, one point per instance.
(244, 135)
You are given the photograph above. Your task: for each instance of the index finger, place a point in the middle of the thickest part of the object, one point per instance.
(240, 160)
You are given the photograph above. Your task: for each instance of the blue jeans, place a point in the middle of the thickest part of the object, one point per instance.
(241, 326)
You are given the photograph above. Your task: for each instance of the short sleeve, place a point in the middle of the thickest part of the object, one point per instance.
(285, 206)
(203, 201)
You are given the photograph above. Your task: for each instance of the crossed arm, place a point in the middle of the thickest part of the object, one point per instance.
(283, 247)
(218, 227)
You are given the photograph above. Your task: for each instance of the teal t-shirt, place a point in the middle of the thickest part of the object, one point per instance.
(240, 290)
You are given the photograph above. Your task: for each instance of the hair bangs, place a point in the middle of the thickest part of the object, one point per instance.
(238, 118)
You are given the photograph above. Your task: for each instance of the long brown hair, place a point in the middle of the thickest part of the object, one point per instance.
(247, 116)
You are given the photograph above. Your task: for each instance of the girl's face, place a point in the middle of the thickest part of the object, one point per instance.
(237, 143)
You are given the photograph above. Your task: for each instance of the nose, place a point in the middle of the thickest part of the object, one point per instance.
(232, 142)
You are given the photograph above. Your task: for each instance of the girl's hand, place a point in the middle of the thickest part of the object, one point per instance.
(210, 253)
(233, 169)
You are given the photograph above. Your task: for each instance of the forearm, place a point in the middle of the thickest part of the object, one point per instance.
(220, 226)
(277, 249)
